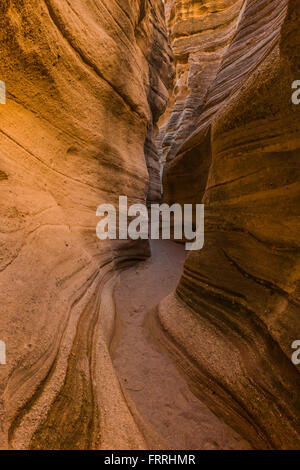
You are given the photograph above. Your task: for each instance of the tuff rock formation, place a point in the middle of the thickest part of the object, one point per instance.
(200, 33)
(235, 313)
(86, 83)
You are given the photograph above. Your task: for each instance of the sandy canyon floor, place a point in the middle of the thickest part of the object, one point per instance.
(149, 377)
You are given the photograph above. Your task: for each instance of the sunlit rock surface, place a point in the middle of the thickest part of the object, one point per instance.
(86, 83)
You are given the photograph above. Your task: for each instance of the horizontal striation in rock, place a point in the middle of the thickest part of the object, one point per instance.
(238, 301)
(253, 40)
(84, 80)
(200, 33)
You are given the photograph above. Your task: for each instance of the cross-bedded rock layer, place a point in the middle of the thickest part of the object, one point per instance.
(236, 310)
(86, 83)
(200, 33)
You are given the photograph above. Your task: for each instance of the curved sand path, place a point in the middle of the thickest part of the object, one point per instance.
(147, 374)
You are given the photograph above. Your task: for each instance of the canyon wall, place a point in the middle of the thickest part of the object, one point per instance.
(235, 314)
(200, 33)
(86, 83)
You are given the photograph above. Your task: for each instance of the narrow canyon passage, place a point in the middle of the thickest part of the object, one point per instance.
(96, 97)
(147, 374)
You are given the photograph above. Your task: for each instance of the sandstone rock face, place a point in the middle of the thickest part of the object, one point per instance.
(86, 83)
(200, 33)
(236, 310)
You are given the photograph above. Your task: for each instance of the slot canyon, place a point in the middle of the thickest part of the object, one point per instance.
(140, 344)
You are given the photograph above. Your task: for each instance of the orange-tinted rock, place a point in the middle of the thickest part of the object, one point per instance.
(85, 82)
(200, 33)
(236, 310)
